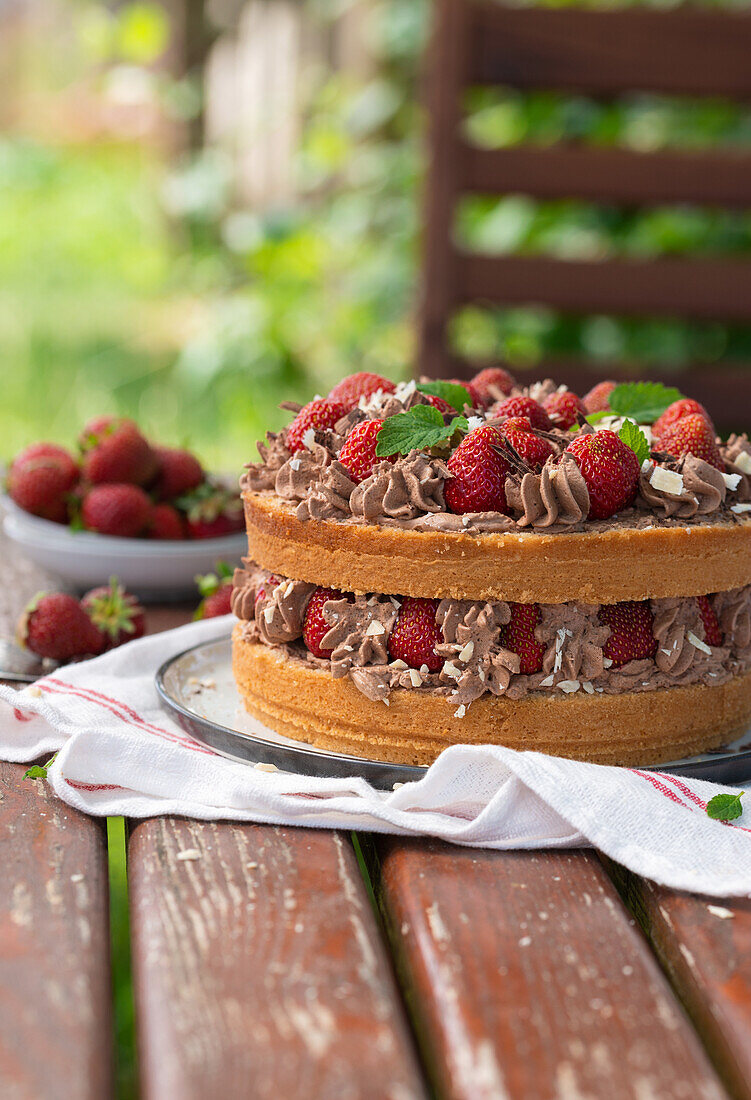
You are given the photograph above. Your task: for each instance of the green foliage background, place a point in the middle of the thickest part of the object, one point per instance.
(133, 283)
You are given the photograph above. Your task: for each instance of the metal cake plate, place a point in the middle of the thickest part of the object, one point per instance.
(197, 689)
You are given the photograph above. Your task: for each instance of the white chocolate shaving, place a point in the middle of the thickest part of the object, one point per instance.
(667, 481)
(697, 643)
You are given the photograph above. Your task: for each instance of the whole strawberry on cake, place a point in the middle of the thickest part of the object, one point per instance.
(435, 562)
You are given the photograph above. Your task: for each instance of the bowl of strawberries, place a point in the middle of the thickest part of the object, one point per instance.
(122, 505)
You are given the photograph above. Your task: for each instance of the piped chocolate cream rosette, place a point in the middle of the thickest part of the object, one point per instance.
(435, 563)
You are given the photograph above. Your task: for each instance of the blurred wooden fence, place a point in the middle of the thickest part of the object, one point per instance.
(253, 68)
(254, 83)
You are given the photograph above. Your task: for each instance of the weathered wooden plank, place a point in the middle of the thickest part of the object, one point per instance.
(167, 616)
(258, 968)
(620, 176)
(55, 1002)
(689, 52)
(705, 946)
(705, 289)
(526, 978)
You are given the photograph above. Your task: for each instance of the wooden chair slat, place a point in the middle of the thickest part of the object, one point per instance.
(596, 52)
(55, 997)
(706, 289)
(705, 946)
(607, 175)
(526, 978)
(689, 52)
(258, 967)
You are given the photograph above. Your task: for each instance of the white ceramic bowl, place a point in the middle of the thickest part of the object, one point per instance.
(152, 569)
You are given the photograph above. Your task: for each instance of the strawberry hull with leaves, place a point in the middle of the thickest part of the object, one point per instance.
(122, 485)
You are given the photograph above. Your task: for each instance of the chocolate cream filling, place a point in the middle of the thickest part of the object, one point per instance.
(409, 492)
(476, 661)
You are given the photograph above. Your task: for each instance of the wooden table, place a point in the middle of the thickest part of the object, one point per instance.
(297, 963)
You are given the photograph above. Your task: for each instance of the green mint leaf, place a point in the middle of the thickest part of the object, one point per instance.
(39, 771)
(224, 570)
(643, 401)
(455, 395)
(420, 428)
(632, 435)
(596, 417)
(725, 807)
(36, 771)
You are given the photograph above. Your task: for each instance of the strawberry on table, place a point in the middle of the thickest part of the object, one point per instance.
(179, 472)
(416, 634)
(363, 384)
(596, 399)
(315, 627)
(479, 474)
(631, 637)
(216, 590)
(55, 625)
(118, 453)
(564, 408)
(691, 435)
(519, 636)
(165, 523)
(40, 480)
(359, 451)
(610, 469)
(686, 406)
(490, 385)
(316, 415)
(534, 450)
(526, 406)
(123, 510)
(116, 614)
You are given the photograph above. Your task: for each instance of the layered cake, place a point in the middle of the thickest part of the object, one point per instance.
(438, 562)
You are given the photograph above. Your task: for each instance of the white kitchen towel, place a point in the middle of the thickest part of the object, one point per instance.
(121, 754)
